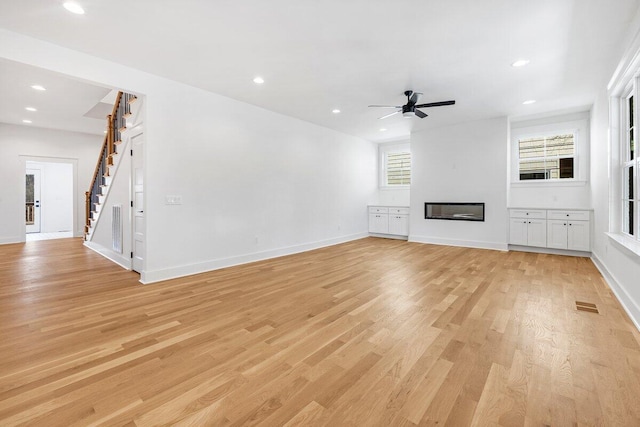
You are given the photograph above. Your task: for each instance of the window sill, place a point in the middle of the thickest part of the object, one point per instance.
(541, 183)
(395, 187)
(627, 243)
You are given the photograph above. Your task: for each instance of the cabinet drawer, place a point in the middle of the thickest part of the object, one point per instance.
(378, 209)
(528, 213)
(574, 215)
(399, 211)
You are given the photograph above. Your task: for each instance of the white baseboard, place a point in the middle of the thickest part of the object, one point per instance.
(216, 264)
(496, 246)
(627, 302)
(111, 255)
(8, 240)
(389, 236)
(550, 251)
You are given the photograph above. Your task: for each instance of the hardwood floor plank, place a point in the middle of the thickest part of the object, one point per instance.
(372, 332)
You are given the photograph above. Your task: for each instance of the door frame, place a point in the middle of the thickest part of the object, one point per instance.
(37, 198)
(137, 131)
(19, 212)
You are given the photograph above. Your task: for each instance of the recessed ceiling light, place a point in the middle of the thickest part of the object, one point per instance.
(529, 102)
(104, 131)
(37, 87)
(74, 8)
(27, 121)
(383, 130)
(30, 109)
(520, 63)
(258, 80)
(335, 111)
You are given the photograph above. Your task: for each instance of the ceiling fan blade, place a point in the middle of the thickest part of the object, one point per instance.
(414, 97)
(436, 104)
(386, 106)
(420, 114)
(388, 115)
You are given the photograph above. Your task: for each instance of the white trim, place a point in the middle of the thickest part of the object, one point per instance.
(389, 236)
(10, 240)
(565, 182)
(627, 242)
(383, 149)
(549, 251)
(496, 246)
(109, 254)
(578, 126)
(628, 304)
(215, 264)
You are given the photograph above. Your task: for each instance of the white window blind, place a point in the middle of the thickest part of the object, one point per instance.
(398, 168)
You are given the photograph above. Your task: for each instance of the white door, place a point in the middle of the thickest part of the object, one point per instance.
(557, 233)
(578, 236)
(379, 223)
(537, 232)
(399, 225)
(32, 201)
(137, 175)
(518, 231)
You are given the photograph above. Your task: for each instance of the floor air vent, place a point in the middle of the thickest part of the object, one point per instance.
(586, 306)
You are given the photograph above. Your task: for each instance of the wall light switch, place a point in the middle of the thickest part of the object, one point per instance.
(172, 200)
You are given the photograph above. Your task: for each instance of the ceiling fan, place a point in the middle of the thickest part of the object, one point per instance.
(410, 109)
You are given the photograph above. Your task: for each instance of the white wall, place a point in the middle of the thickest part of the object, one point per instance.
(56, 196)
(576, 195)
(254, 183)
(461, 163)
(21, 143)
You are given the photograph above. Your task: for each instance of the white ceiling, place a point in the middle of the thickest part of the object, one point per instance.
(319, 55)
(64, 105)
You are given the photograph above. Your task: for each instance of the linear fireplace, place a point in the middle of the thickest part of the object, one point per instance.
(454, 211)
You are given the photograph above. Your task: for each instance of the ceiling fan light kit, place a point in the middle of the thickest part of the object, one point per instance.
(410, 109)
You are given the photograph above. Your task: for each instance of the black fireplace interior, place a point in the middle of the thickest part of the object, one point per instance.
(454, 211)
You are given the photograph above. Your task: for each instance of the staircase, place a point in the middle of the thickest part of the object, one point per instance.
(107, 161)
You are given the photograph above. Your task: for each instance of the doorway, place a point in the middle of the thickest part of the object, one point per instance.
(49, 200)
(32, 201)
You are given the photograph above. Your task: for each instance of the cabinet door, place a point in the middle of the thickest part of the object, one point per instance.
(399, 225)
(578, 236)
(557, 233)
(518, 231)
(379, 223)
(537, 232)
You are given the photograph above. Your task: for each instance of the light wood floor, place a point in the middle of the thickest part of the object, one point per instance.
(372, 332)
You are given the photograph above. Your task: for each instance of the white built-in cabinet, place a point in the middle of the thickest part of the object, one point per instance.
(569, 230)
(551, 228)
(392, 220)
(528, 227)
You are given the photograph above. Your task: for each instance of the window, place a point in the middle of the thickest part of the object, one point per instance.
(545, 157)
(629, 168)
(395, 166)
(398, 166)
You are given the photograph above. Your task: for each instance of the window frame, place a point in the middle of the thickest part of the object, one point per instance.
(578, 126)
(545, 158)
(384, 150)
(626, 162)
(625, 82)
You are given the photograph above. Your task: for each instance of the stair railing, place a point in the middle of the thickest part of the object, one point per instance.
(116, 124)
